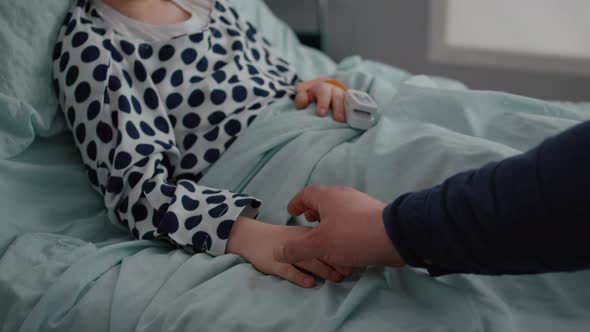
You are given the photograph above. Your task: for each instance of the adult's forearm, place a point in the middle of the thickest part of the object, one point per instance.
(525, 214)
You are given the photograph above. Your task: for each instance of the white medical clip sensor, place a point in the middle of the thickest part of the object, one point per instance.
(360, 109)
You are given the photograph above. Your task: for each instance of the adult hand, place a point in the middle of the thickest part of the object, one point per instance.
(351, 230)
(256, 241)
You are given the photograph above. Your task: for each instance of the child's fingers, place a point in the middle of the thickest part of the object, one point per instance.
(302, 99)
(338, 105)
(306, 85)
(323, 95)
(289, 272)
(321, 269)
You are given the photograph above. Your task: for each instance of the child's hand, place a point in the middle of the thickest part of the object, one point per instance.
(256, 242)
(324, 94)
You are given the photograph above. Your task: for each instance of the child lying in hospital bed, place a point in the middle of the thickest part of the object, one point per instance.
(154, 92)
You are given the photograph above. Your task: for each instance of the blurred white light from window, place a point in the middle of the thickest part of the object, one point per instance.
(541, 27)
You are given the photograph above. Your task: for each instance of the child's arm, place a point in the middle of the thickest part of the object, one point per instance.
(129, 151)
(325, 94)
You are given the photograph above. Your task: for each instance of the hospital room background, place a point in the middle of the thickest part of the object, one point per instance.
(537, 48)
(458, 84)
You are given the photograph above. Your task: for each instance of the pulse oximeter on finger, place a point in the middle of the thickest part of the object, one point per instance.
(360, 109)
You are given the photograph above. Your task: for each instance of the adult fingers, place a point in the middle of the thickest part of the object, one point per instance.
(307, 199)
(289, 272)
(338, 105)
(311, 215)
(321, 269)
(306, 247)
(344, 270)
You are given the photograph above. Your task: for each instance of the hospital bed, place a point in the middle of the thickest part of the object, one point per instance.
(65, 267)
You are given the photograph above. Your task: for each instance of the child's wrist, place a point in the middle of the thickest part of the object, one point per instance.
(242, 233)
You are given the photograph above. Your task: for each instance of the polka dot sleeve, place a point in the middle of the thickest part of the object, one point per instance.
(129, 151)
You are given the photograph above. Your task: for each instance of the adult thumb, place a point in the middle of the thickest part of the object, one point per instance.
(305, 247)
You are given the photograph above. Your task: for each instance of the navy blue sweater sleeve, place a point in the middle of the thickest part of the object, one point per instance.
(526, 214)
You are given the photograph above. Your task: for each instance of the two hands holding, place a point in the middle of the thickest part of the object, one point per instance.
(351, 232)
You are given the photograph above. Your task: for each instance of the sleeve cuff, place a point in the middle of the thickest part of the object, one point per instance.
(203, 217)
(396, 232)
(412, 234)
(239, 205)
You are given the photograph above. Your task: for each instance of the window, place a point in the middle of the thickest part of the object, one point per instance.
(541, 35)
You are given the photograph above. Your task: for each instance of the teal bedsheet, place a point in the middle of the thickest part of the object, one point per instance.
(64, 267)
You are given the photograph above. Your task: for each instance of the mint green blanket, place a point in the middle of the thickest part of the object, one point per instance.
(63, 267)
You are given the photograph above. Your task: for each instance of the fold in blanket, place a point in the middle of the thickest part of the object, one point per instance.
(427, 130)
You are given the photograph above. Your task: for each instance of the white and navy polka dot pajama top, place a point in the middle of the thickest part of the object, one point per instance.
(150, 117)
